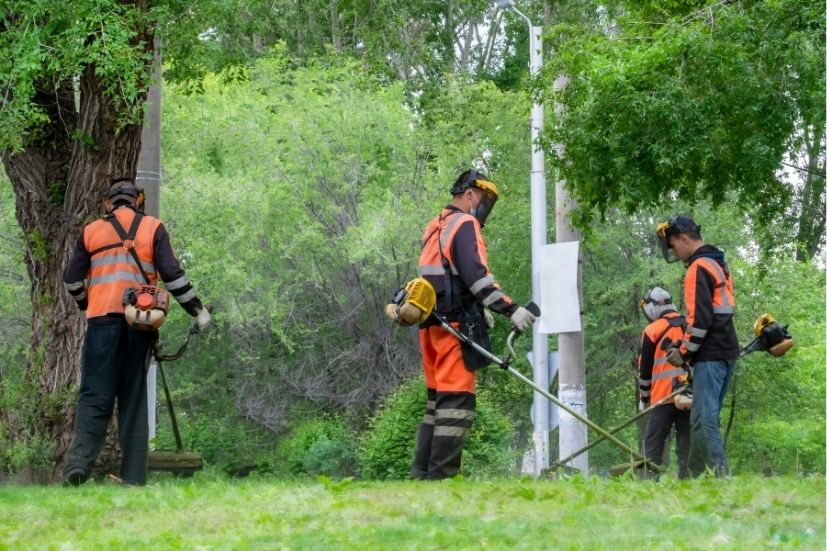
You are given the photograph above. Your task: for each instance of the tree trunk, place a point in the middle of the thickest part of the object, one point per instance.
(811, 218)
(59, 183)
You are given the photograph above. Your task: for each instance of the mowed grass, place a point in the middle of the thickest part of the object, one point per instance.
(207, 512)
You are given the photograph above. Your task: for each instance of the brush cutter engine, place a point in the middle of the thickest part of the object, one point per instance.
(413, 303)
(146, 308)
(773, 337)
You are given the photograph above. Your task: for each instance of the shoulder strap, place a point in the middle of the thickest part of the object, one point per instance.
(674, 321)
(128, 239)
(446, 266)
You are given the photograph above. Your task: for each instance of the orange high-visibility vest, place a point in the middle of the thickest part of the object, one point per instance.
(662, 371)
(439, 235)
(723, 300)
(113, 269)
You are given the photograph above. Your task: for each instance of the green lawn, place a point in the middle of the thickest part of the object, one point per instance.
(207, 512)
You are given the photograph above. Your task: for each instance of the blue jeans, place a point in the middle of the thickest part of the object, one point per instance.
(709, 385)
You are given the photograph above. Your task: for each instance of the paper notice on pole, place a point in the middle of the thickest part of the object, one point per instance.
(559, 299)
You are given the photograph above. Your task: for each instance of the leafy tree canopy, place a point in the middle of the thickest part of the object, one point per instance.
(686, 100)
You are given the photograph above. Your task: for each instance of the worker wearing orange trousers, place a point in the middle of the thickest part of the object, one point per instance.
(454, 260)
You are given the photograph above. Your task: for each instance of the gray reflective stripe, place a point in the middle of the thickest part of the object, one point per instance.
(723, 309)
(428, 419)
(693, 346)
(430, 404)
(660, 361)
(132, 277)
(666, 374)
(177, 284)
(431, 270)
(645, 393)
(189, 295)
(73, 286)
(644, 381)
(493, 297)
(79, 297)
(697, 332)
(458, 432)
(481, 283)
(455, 413)
(446, 233)
(120, 258)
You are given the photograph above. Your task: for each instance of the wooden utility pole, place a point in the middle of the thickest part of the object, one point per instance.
(573, 435)
(148, 177)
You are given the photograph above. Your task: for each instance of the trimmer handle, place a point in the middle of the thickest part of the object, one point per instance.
(534, 309)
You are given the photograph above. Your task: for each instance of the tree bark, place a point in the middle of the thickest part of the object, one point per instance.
(59, 182)
(811, 218)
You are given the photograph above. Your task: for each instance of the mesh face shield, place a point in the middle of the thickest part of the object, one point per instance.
(489, 198)
(663, 239)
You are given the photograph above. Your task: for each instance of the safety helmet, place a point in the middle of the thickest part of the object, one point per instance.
(124, 189)
(657, 302)
(474, 178)
(674, 225)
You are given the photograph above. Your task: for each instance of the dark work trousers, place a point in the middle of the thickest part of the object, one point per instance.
(661, 420)
(114, 366)
(442, 434)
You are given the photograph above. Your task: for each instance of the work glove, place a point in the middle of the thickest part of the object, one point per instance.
(641, 405)
(674, 357)
(489, 318)
(202, 318)
(522, 319)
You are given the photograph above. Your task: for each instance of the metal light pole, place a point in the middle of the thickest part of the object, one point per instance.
(538, 239)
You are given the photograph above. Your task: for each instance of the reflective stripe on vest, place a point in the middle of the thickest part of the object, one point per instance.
(114, 270)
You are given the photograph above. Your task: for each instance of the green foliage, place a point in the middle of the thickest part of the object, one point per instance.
(387, 446)
(693, 105)
(780, 446)
(321, 446)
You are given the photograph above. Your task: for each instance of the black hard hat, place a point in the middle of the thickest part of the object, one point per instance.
(122, 189)
(676, 225)
(474, 178)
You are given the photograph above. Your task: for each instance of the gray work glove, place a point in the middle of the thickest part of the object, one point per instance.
(641, 405)
(489, 318)
(202, 318)
(522, 319)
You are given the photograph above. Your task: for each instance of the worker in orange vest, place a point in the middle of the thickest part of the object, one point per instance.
(454, 260)
(656, 376)
(709, 344)
(126, 249)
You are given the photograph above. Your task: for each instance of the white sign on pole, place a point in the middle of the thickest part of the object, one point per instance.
(559, 298)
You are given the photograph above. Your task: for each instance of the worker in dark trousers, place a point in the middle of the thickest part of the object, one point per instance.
(656, 376)
(103, 265)
(455, 261)
(709, 344)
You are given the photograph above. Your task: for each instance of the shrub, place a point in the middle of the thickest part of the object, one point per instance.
(321, 446)
(387, 446)
(776, 446)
